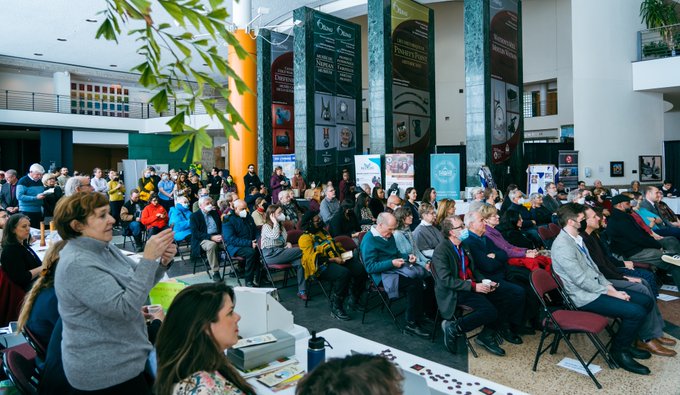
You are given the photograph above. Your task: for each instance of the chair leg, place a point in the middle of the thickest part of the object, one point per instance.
(434, 327)
(544, 335)
(585, 366)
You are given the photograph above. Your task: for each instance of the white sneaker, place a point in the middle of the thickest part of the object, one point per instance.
(673, 260)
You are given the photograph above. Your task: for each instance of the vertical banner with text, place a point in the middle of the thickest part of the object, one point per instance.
(282, 94)
(445, 175)
(337, 89)
(504, 69)
(368, 169)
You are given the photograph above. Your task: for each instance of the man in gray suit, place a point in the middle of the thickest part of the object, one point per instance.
(591, 291)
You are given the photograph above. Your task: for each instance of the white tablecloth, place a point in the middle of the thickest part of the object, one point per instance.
(344, 343)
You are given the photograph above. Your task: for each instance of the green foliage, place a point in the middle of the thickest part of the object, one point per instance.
(660, 14)
(168, 68)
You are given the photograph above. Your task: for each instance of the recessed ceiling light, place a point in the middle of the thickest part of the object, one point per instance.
(91, 20)
(113, 65)
(61, 39)
(37, 54)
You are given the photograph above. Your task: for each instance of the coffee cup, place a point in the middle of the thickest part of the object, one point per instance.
(486, 282)
(154, 309)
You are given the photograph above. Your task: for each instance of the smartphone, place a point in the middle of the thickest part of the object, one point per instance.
(13, 326)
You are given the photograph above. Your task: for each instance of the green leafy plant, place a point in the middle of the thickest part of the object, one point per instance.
(169, 67)
(660, 14)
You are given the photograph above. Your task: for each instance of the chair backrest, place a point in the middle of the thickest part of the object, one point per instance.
(555, 229)
(542, 283)
(545, 233)
(288, 225)
(361, 236)
(346, 242)
(38, 346)
(293, 236)
(11, 297)
(21, 371)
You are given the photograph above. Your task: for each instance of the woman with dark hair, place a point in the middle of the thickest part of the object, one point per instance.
(430, 196)
(182, 188)
(410, 202)
(363, 213)
(510, 227)
(19, 261)
(345, 222)
(277, 183)
(506, 199)
(200, 325)
(378, 202)
(275, 248)
(105, 342)
(258, 213)
(154, 216)
(321, 257)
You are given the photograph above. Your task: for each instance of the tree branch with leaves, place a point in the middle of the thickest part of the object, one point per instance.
(172, 74)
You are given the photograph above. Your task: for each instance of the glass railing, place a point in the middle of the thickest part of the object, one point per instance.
(661, 42)
(64, 104)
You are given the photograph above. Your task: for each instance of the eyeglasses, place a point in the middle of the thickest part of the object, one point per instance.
(459, 227)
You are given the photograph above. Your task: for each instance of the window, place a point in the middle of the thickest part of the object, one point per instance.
(540, 99)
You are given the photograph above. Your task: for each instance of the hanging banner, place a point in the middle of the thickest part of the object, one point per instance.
(568, 168)
(368, 170)
(504, 69)
(399, 170)
(337, 89)
(411, 110)
(282, 94)
(539, 177)
(445, 175)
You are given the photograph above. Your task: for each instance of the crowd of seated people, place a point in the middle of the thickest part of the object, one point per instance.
(421, 250)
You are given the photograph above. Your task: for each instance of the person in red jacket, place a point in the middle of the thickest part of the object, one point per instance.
(154, 217)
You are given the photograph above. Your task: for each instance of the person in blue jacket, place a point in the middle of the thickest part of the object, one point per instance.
(30, 194)
(179, 219)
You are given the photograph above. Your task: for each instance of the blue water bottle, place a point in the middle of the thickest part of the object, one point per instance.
(316, 351)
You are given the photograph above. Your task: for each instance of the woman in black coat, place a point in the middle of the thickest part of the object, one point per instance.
(19, 261)
(510, 227)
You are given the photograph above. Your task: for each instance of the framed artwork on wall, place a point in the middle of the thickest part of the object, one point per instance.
(616, 169)
(650, 168)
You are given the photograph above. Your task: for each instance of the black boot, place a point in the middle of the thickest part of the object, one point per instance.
(487, 339)
(626, 362)
(337, 310)
(451, 335)
(353, 303)
(510, 336)
(139, 246)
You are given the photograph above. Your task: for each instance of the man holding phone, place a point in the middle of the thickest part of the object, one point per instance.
(458, 282)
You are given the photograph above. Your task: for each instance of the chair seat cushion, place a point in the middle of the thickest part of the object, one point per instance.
(570, 320)
(279, 266)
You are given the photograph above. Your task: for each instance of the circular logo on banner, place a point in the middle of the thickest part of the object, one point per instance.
(444, 172)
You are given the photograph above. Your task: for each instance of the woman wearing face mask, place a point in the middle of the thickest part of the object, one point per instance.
(321, 258)
(259, 213)
(147, 185)
(228, 185)
(182, 188)
(510, 227)
(154, 217)
(345, 222)
(275, 248)
(179, 219)
(165, 188)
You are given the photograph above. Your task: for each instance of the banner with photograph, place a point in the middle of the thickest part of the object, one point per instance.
(399, 170)
(504, 69)
(445, 175)
(282, 94)
(568, 168)
(411, 54)
(539, 177)
(337, 89)
(368, 170)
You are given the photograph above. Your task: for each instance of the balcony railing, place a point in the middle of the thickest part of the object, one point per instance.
(63, 104)
(661, 42)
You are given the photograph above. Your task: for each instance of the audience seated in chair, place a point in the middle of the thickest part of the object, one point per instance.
(591, 291)
(19, 262)
(321, 258)
(426, 235)
(395, 270)
(206, 234)
(275, 248)
(345, 221)
(240, 236)
(458, 282)
(131, 216)
(179, 219)
(154, 216)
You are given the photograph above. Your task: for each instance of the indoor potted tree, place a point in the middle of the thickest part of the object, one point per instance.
(660, 14)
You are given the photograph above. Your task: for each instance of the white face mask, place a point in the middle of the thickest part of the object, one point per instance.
(281, 217)
(208, 208)
(243, 214)
(581, 201)
(521, 201)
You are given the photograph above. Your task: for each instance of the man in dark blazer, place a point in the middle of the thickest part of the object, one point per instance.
(206, 234)
(240, 234)
(457, 281)
(8, 192)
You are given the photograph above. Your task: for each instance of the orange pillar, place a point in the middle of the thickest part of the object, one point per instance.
(243, 151)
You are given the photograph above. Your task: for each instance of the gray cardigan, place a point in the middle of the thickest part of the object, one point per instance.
(583, 282)
(101, 293)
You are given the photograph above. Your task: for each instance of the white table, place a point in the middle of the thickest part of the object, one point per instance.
(673, 203)
(344, 343)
